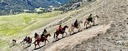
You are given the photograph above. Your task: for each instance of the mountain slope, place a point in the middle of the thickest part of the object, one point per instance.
(116, 38)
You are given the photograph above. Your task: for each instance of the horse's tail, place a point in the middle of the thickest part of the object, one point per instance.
(55, 35)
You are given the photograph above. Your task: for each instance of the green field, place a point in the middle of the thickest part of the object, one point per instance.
(16, 26)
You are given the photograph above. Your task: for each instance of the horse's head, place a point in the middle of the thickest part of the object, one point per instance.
(97, 16)
(66, 26)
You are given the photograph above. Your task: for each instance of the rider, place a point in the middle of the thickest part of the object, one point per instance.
(60, 28)
(76, 24)
(14, 42)
(36, 36)
(26, 38)
(90, 18)
(29, 40)
(44, 32)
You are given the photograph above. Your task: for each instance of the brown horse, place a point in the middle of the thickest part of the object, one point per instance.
(77, 25)
(60, 32)
(92, 20)
(39, 39)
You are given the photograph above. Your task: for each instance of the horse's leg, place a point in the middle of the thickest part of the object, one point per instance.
(86, 24)
(93, 21)
(35, 44)
(79, 28)
(44, 42)
(62, 35)
(69, 31)
(57, 36)
(73, 29)
(47, 40)
(38, 44)
(66, 33)
(89, 23)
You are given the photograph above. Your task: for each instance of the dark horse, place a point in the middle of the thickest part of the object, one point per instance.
(60, 32)
(41, 38)
(27, 40)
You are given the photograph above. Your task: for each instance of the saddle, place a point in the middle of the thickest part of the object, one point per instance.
(89, 19)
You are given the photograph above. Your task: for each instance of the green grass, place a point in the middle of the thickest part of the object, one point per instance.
(12, 26)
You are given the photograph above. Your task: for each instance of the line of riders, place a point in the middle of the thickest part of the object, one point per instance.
(60, 30)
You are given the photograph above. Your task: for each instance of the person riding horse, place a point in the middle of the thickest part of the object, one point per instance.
(42, 38)
(60, 28)
(43, 34)
(90, 19)
(77, 25)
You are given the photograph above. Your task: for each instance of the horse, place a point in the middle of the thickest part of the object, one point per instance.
(60, 32)
(44, 38)
(27, 40)
(41, 38)
(37, 40)
(92, 20)
(73, 26)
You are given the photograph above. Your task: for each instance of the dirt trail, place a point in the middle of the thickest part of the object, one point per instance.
(78, 38)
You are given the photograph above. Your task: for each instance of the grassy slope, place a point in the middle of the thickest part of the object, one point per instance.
(22, 24)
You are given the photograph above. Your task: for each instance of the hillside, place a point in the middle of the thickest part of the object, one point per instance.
(115, 38)
(97, 38)
(109, 35)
